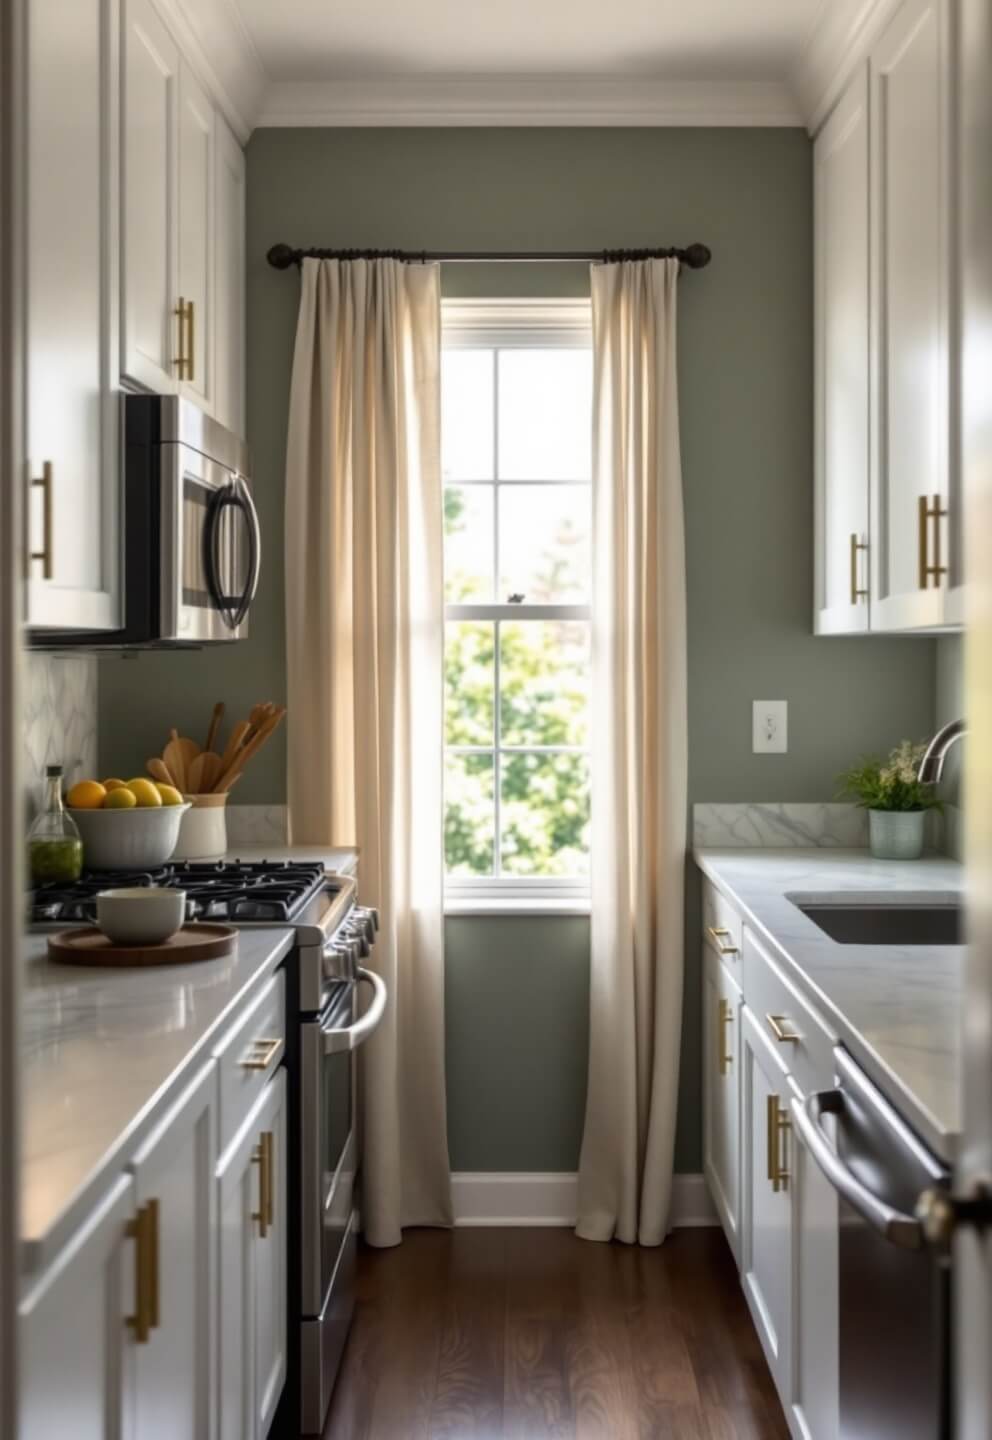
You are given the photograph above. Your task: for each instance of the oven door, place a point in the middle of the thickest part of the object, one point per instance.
(211, 548)
(329, 1153)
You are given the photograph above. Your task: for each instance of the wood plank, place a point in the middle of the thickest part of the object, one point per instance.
(468, 1398)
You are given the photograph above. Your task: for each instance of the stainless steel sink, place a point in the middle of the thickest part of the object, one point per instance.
(859, 918)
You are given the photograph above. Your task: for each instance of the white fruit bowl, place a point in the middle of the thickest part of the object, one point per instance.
(129, 839)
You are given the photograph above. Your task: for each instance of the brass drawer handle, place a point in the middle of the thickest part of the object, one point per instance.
(856, 593)
(784, 1037)
(926, 513)
(190, 342)
(143, 1230)
(262, 1157)
(725, 1017)
(262, 1054)
(184, 360)
(778, 1123)
(718, 934)
(45, 482)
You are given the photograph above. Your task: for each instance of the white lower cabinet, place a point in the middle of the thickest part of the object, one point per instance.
(766, 1241)
(721, 1091)
(816, 1319)
(251, 1183)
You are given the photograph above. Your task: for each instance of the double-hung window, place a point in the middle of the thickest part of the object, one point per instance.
(516, 397)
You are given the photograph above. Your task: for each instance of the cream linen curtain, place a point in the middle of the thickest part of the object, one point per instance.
(364, 626)
(639, 758)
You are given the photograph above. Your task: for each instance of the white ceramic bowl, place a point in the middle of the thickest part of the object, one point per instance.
(140, 916)
(129, 839)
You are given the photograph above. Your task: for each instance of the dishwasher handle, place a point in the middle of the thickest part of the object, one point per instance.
(896, 1227)
(349, 1037)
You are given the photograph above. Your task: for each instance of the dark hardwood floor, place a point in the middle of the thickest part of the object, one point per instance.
(528, 1334)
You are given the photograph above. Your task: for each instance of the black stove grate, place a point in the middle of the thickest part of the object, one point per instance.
(215, 890)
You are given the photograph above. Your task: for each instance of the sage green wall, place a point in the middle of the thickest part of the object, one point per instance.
(745, 379)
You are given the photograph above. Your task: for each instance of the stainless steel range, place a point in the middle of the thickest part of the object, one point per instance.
(334, 934)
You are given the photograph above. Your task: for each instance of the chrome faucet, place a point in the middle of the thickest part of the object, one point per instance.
(932, 764)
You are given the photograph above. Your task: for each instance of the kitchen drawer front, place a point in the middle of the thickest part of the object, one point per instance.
(722, 926)
(249, 1055)
(804, 1043)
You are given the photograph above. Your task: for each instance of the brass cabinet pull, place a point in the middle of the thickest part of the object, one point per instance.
(926, 513)
(784, 1037)
(184, 360)
(143, 1230)
(856, 593)
(262, 1157)
(45, 482)
(261, 1054)
(718, 934)
(777, 1123)
(725, 1017)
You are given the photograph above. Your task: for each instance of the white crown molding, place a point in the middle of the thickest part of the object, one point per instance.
(531, 100)
(530, 1198)
(214, 39)
(840, 39)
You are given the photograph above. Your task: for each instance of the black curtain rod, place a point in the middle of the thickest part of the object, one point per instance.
(281, 257)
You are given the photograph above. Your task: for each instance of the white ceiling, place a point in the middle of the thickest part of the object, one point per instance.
(683, 40)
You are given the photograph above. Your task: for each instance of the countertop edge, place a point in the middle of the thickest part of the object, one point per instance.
(943, 1142)
(38, 1251)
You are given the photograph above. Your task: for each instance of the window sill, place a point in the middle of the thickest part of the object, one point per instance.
(515, 905)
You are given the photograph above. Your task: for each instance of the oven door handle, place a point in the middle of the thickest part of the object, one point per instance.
(894, 1225)
(349, 1037)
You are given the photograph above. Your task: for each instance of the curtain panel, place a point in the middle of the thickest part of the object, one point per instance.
(639, 760)
(364, 637)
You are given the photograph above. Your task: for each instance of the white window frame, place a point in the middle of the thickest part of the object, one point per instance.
(520, 325)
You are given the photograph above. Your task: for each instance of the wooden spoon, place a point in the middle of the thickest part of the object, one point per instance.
(158, 770)
(194, 776)
(211, 772)
(234, 743)
(250, 749)
(215, 720)
(173, 757)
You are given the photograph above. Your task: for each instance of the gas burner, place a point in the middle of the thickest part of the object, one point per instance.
(215, 890)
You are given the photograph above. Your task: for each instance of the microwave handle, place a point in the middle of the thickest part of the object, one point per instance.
(254, 550)
(351, 1036)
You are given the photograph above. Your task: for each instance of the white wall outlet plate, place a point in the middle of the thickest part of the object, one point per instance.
(770, 727)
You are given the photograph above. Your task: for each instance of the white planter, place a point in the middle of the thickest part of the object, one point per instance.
(897, 834)
(203, 833)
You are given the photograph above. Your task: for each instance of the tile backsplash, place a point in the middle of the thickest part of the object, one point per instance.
(59, 708)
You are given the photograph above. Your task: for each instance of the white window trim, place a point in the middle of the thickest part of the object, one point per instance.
(524, 324)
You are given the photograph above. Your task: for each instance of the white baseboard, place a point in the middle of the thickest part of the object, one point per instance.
(484, 1197)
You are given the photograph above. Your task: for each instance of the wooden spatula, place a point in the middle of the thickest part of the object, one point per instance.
(211, 770)
(158, 770)
(173, 757)
(215, 719)
(250, 749)
(235, 741)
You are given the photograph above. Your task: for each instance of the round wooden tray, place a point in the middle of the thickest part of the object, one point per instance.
(196, 941)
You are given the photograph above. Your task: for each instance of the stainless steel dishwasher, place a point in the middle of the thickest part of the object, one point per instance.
(894, 1355)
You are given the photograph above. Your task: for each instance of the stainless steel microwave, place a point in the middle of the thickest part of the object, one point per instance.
(191, 545)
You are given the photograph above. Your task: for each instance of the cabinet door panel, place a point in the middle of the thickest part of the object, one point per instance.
(71, 314)
(270, 1267)
(75, 1348)
(911, 259)
(175, 1369)
(766, 1258)
(722, 1068)
(229, 281)
(150, 100)
(238, 1203)
(196, 180)
(840, 166)
(815, 1379)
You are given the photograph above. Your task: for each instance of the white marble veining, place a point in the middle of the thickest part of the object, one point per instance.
(257, 825)
(753, 826)
(59, 713)
(897, 1008)
(102, 1053)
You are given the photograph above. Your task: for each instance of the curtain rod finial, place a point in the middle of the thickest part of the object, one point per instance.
(281, 256)
(697, 256)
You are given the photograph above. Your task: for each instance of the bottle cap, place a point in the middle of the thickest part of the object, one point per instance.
(52, 770)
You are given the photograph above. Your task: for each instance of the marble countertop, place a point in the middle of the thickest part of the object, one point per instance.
(341, 861)
(102, 1051)
(897, 1009)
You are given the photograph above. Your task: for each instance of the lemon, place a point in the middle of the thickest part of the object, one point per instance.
(120, 799)
(114, 784)
(170, 795)
(86, 795)
(144, 792)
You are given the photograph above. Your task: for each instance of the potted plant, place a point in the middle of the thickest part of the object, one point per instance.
(896, 801)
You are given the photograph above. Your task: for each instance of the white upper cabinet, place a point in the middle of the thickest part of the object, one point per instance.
(229, 280)
(912, 265)
(150, 100)
(72, 563)
(196, 255)
(840, 181)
